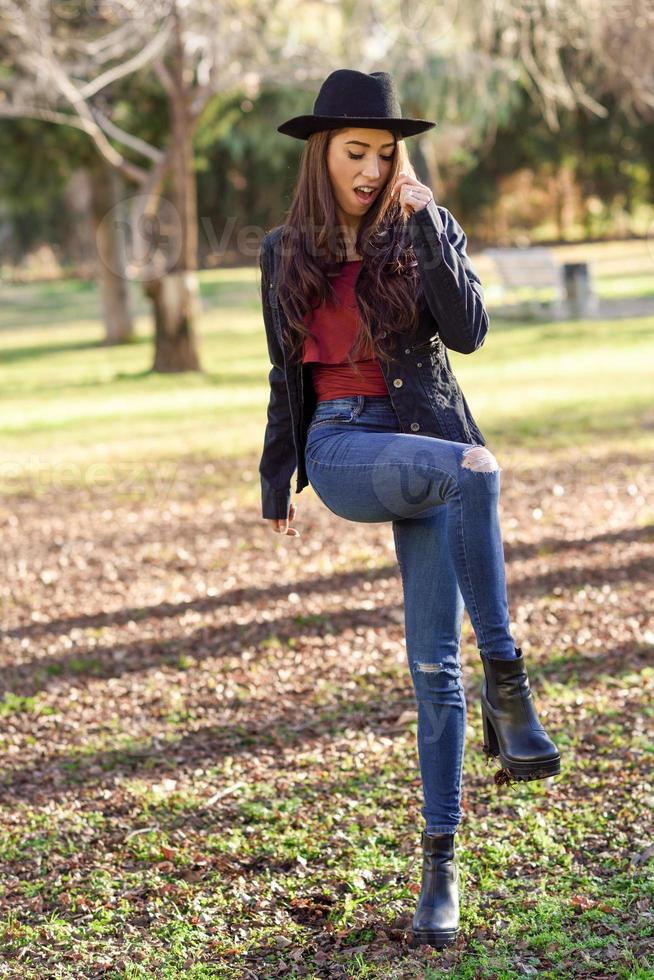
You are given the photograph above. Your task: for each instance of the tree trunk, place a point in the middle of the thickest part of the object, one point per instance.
(106, 187)
(175, 295)
(174, 298)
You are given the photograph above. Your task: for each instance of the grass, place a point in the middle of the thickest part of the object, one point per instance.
(529, 385)
(209, 765)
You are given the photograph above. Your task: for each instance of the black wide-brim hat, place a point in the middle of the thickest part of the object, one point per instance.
(352, 98)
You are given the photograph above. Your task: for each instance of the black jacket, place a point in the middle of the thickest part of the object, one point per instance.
(424, 391)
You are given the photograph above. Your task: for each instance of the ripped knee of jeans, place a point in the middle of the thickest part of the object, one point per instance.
(430, 667)
(431, 679)
(479, 459)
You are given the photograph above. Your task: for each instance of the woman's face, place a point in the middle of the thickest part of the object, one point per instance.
(358, 158)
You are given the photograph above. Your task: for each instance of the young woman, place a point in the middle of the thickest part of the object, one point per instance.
(364, 288)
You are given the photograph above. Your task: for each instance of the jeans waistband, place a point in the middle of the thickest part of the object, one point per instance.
(356, 404)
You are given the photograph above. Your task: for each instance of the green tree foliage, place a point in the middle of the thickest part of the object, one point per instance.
(611, 159)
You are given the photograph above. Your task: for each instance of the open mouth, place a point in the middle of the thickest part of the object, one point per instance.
(365, 196)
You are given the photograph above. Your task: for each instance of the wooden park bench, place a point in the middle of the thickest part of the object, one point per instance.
(534, 268)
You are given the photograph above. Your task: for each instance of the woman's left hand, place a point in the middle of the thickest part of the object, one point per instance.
(413, 196)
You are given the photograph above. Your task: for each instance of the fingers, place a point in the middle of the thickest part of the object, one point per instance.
(410, 192)
(285, 529)
(414, 199)
(404, 179)
(281, 526)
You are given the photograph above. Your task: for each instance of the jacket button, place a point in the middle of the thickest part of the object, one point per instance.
(398, 382)
(415, 426)
(407, 350)
(419, 364)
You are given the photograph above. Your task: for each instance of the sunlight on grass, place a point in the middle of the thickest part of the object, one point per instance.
(69, 402)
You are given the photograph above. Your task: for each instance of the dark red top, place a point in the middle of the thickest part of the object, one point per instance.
(335, 330)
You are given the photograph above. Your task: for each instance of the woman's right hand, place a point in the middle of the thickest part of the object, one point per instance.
(283, 526)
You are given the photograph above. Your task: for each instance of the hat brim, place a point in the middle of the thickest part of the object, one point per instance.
(301, 127)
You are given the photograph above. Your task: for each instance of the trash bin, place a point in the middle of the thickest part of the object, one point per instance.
(580, 296)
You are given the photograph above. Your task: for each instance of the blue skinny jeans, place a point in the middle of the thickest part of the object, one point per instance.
(442, 499)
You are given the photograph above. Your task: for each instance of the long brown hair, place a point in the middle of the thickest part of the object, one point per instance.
(313, 250)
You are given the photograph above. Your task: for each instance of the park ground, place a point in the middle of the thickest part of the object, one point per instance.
(208, 731)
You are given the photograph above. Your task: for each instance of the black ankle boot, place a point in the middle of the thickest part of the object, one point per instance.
(511, 726)
(436, 919)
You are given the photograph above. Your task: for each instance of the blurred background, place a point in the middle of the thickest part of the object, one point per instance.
(175, 676)
(141, 167)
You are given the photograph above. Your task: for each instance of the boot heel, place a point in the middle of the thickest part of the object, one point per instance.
(491, 745)
(507, 707)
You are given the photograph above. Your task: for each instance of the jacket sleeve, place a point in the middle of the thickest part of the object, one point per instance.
(452, 288)
(278, 460)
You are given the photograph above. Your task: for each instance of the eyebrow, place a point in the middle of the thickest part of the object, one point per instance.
(361, 143)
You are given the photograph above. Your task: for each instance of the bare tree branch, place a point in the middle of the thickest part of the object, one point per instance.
(134, 142)
(129, 66)
(9, 111)
(164, 76)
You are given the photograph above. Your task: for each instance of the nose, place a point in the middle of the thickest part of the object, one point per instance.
(371, 172)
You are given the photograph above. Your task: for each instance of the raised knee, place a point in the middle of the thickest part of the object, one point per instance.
(480, 459)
